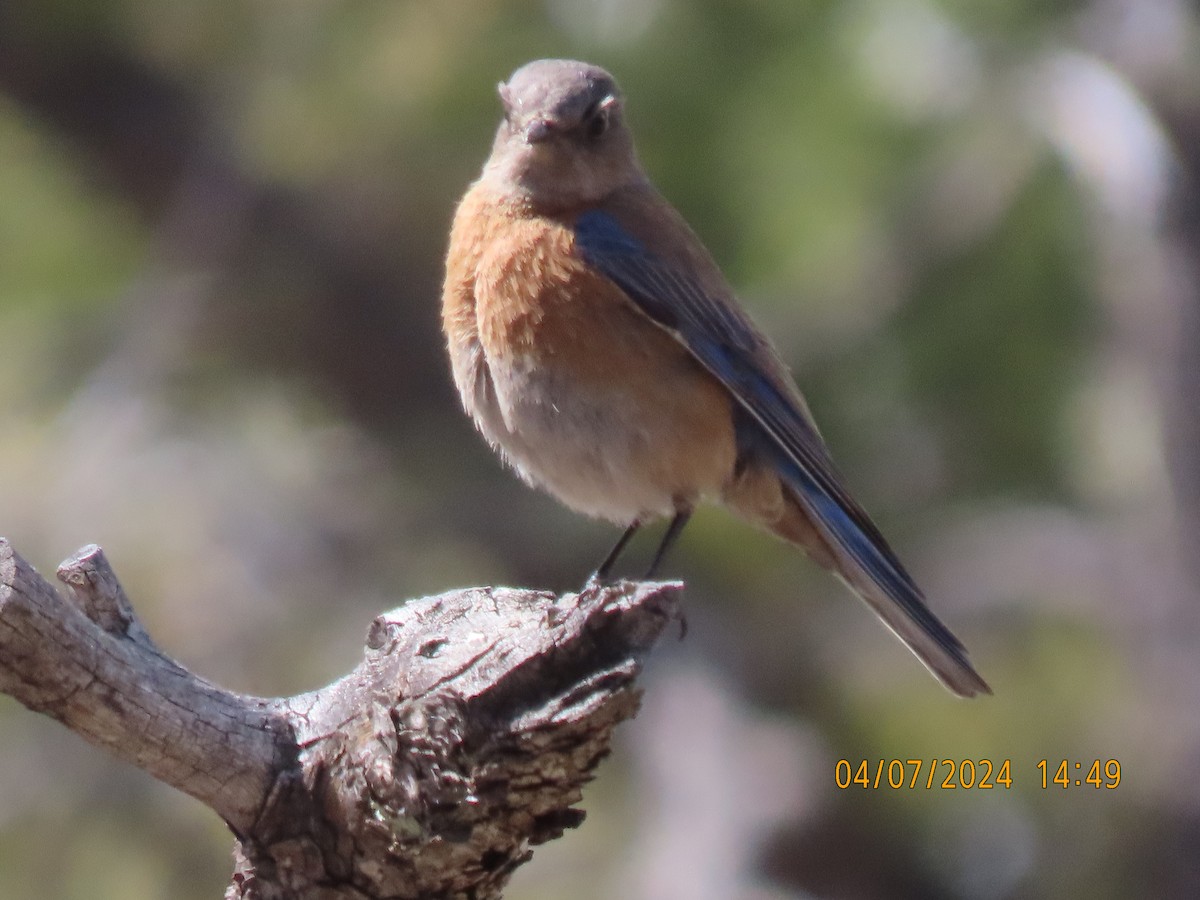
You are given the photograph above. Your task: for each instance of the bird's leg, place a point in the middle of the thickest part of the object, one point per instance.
(601, 574)
(673, 530)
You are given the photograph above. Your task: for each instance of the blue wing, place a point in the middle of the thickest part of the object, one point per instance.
(725, 341)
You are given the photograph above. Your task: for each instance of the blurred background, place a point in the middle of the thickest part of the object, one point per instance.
(971, 228)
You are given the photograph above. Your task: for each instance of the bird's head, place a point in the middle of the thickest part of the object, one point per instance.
(563, 142)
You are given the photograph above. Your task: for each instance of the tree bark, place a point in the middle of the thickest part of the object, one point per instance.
(462, 739)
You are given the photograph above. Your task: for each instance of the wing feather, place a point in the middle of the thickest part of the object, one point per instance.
(724, 340)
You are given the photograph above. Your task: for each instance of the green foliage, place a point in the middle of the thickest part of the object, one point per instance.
(262, 432)
(995, 341)
(66, 245)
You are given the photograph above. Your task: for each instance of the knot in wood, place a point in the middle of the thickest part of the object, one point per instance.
(418, 776)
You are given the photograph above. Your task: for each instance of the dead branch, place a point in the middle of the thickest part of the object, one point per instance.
(462, 739)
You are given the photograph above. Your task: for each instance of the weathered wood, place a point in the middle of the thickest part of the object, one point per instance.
(462, 739)
(113, 688)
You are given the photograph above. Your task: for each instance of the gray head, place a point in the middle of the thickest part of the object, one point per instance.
(563, 141)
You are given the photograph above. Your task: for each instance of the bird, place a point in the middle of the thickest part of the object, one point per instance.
(599, 349)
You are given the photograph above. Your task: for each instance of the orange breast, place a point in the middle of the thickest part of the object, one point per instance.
(600, 403)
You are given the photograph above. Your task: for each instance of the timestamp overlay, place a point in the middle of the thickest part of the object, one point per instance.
(982, 774)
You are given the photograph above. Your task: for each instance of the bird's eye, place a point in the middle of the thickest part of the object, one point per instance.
(597, 121)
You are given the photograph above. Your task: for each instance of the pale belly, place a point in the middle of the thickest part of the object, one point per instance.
(638, 445)
(594, 449)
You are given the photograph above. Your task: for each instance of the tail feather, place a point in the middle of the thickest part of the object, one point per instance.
(795, 509)
(936, 647)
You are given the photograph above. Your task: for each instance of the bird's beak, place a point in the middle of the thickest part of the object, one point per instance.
(540, 129)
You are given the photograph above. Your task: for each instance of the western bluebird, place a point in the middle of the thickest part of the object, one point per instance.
(598, 348)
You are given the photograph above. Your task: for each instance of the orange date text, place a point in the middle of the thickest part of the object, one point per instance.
(925, 774)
